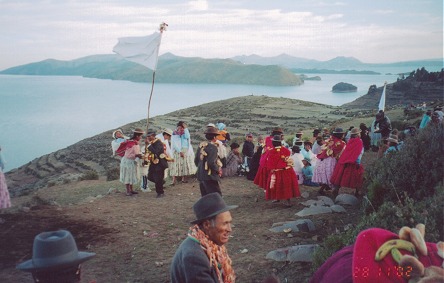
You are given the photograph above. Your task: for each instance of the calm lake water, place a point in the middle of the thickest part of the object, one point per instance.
(42, 114)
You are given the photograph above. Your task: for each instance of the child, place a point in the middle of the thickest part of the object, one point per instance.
(307, 171)
(233, 161)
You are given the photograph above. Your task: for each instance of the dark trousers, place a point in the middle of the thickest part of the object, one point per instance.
(208, 187)
(144, 182)
(155, 175)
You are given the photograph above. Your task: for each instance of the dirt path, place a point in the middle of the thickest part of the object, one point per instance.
(136, 237)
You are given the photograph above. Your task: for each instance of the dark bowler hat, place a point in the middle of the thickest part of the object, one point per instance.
(338, 131)
(54, 250)
(277, 138)
(211, 131)
(151, 132)
(208, 206)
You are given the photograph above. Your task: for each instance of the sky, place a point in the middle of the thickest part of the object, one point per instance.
(376, 31)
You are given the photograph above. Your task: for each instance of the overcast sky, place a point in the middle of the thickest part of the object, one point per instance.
(373, 31)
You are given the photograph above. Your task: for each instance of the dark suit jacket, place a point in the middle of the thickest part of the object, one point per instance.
(191, 264)
(157, 149)
(211, 159)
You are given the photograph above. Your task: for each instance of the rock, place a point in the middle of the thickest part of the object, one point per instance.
(337, 208)
(277, 255)
(301, 225)
(309, 202)
(328, 201)
(346, 199)
(244, 251)
(300, 253)
(313, 210)
(305, 195)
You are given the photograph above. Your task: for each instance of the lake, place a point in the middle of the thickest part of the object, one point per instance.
(42, 114)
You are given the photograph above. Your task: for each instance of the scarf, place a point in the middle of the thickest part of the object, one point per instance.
(217, 255)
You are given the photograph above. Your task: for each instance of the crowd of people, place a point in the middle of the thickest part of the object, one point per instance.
(328, 159)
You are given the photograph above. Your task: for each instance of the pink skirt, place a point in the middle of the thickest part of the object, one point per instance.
(323, 171)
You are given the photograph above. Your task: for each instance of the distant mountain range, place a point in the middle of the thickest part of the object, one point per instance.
(253, 69)
(340, 64)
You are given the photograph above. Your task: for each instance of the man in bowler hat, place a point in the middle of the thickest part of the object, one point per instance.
(209, 165)
(55, 258)
(202, 256)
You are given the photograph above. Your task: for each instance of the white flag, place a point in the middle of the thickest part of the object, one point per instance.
(381, 105)
(143, 50)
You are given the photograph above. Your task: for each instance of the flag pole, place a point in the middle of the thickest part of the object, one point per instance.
(162, 28)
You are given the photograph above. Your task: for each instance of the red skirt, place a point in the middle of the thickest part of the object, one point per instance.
(261, 177)
(349, 175)
(285, 185)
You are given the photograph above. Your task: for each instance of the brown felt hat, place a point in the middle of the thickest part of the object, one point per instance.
(208, 206)
(211, 131)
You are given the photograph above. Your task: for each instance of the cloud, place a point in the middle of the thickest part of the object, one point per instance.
(33, 31)
(198, 5)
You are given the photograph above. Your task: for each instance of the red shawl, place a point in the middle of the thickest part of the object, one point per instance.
(352, 151)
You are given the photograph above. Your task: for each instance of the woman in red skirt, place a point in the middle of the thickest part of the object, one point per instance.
(261, 177)
(282, 183)
(348, 171)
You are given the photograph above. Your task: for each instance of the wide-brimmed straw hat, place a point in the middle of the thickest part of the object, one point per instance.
(138, 131)
(355, 131)
(54, 250)
(393, 138)
(168, 131)
(208, 206)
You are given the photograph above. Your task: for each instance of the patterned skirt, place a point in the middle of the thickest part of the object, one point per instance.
(5, 200)
(282, 184)
(348, 175)
(324, 169)
(128, 171)
(182, 166)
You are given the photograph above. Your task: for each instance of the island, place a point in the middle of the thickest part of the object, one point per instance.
(344, 87)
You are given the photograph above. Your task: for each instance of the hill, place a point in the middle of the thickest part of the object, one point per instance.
(256, 114)
(418, 87)
(171, 69)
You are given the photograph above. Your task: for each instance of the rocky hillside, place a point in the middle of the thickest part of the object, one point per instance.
(420, 86)
(257, 114)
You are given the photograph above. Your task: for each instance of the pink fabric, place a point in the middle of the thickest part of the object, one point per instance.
(336, 269)
(132, 151)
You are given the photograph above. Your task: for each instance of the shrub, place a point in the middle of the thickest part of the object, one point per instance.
(113, 174)
(416, 169)
(90, 175)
